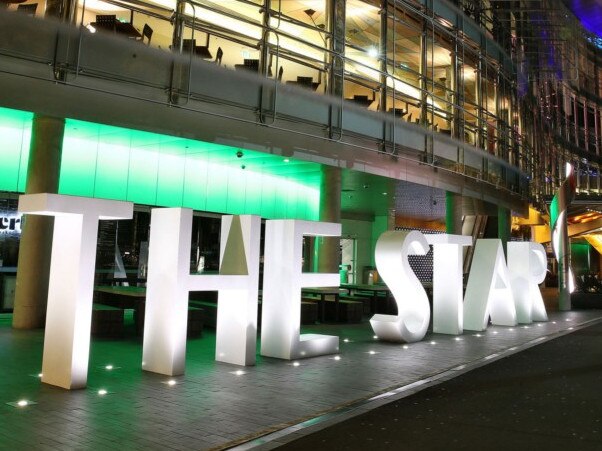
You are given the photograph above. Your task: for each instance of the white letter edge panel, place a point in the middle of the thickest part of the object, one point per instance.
(414, 313)
(527, 265)
(70, 290)
(488, 292)
(447, 282)
(282, 283)
(169, 283)
(236, 331)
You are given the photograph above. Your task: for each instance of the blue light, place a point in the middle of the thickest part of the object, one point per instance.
(589, 12)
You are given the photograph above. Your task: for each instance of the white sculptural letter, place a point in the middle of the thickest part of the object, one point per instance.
(282, 283)
(69, 311)
(527, 265)
(169, 282)
(488, 292)
(447, 282)
(414, 313)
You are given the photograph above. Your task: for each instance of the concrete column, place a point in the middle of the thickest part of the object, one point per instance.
(36, 238)
(504, 225)
(453, 213)
(330, 211)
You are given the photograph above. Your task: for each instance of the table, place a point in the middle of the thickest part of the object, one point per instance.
(373, 289)
(364, 101)
(398, 112)
(251, 65)
(323, 292)
(313, 86)
(202, 51)
(124, 28)
(122, 297)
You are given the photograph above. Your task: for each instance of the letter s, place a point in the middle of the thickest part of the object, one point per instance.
(414, 312)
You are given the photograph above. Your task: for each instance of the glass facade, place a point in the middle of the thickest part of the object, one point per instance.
(484, 72)
(498, 90)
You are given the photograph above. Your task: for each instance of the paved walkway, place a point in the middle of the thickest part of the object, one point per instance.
(213, 407)
(547, 397)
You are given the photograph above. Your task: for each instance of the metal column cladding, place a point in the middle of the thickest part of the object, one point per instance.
(560, 240)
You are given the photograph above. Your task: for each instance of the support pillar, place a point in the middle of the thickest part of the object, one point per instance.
(453, 213)
(504, 225)
(61, 9)
(335, 18)
(382, 54)
(330, 211)
(36, 238)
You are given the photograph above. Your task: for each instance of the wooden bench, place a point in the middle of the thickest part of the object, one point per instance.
(366, 301)
(107, 321)
(196, 317)
(309, 312)
(195, 322)
(349, 311)
(210, 311)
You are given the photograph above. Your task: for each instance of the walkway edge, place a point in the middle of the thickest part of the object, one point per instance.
(272, 440)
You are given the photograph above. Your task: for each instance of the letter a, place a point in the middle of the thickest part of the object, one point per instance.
(488, 292)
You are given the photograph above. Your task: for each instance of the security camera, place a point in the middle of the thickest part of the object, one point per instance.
(239, 154)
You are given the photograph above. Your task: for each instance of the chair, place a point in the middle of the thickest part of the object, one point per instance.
(29, 9)
(218, 56)
(202, 51)
(147, 32)
(305, 82)
(107, 22)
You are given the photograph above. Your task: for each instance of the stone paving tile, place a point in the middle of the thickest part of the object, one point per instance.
(209, 407)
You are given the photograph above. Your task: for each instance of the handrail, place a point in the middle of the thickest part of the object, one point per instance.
(341, 112)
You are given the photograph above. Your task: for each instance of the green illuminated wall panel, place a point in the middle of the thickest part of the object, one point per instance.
(237, 195)
(147, 168)
(217, 188)
(170, 179)
(152, 169)
(111, 181)
(142, 178)
(253, 197)
(78, 166)
(195, 187)
(15, 136)
(268, 199)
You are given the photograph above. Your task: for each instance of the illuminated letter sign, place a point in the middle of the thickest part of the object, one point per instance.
(282, 283)
(447, 282)
(488, 292)
(414, 313)
(69, 312)
(527, 265)
(169, 282)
